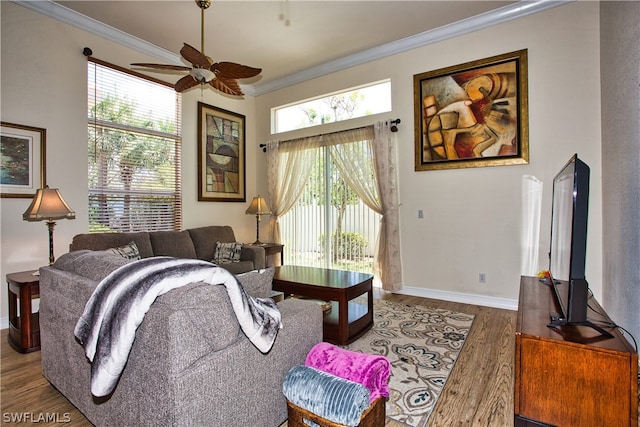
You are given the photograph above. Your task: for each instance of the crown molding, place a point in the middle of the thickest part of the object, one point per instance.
(506, 13)
(71, 17)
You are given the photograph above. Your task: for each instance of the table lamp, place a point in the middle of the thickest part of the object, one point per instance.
(48, 205)
(258, 207)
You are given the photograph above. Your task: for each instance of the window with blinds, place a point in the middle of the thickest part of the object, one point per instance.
(134, 149)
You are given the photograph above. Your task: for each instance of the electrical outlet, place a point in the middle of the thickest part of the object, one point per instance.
(482, 277)
(420, 214)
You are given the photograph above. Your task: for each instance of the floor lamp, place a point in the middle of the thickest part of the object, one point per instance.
(258, 208)
(48, 205)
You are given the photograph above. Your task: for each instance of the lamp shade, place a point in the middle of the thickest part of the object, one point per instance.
(258, 207)
(48, 204)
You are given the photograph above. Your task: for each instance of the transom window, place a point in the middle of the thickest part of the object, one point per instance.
(134, 151)
(355, 102)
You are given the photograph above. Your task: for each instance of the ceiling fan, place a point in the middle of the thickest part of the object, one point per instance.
(222, 76)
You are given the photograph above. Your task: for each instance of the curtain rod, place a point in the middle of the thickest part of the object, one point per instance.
(394, 128)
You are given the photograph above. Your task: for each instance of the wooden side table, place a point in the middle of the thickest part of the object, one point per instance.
(274, 248)
(24, 329)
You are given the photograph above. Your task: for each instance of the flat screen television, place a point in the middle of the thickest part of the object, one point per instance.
(568, 248)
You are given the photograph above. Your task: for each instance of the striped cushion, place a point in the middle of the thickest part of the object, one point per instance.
(129, 251)
(332, 398)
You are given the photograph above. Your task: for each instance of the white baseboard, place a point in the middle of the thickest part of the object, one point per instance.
(4, 322)
(495, 302)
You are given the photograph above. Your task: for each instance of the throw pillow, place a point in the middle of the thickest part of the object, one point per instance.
(128, 251)
(227, 252)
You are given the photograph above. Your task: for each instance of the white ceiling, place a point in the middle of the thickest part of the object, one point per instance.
(290, 40)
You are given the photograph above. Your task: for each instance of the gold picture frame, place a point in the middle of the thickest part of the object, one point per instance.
(221, 155)
(22, 160)
(473, 114)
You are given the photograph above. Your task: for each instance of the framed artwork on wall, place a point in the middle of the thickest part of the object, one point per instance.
(22, 160)
(472, 115)
(221, 155)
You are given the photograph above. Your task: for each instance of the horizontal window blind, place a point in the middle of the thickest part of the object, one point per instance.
(134, 148)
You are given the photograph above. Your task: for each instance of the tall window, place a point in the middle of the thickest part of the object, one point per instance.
(134, 152)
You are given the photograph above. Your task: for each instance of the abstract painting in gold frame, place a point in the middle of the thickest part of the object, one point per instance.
(472, 115)
(221, 155)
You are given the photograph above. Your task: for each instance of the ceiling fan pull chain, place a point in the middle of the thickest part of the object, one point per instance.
(201, 27)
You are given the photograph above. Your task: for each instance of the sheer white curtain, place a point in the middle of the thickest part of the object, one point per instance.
(530, 227)
(352, 152)
(388, 261)
(288, 171)
(366, 160)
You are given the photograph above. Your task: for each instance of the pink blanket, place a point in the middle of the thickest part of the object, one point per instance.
(372, 371)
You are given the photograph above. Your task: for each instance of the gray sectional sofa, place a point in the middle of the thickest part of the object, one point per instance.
(190, 364)
(197, 243)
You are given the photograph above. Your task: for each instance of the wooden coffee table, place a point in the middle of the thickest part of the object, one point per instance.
(348, 319)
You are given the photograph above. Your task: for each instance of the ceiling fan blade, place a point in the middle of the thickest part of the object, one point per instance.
(185, 83)
(230, 87)
(162, 66)
(231, 70)
(221, 76)
(194, 56)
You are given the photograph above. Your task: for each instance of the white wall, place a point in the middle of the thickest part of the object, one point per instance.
(44, 85)
(472, 217)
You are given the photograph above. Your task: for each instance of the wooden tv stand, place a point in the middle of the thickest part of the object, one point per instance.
(572, 375)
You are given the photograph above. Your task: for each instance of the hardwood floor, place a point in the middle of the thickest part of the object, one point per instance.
(479, 391)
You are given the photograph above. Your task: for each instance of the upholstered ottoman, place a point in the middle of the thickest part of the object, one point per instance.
(317, 398)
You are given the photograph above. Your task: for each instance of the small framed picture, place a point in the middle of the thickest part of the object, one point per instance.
(472, 115)
(221, 155)
(22, 160)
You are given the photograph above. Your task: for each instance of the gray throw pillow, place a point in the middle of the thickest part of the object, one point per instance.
(227, 252)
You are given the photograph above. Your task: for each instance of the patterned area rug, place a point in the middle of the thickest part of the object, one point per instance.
(422, 345)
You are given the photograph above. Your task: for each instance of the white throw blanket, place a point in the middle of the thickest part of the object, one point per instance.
(108, 324)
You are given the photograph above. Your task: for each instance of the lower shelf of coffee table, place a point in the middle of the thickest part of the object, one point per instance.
(359, 322)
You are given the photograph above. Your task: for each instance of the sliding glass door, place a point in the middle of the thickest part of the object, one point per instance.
(329, 226)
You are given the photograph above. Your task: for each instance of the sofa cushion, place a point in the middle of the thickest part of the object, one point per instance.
(257, 283)
(94, 265)
(227, 252)
(205, 238)
(238, 267)
(200, 310)
(102, 241)
(129, 251)
(172, 243)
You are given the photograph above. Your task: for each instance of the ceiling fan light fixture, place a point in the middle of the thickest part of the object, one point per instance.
(203, 4)
(222, 76)
(202, 75)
